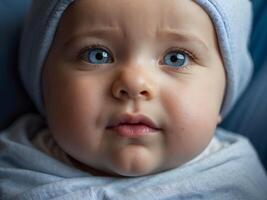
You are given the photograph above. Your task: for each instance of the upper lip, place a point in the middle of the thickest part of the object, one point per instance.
(132, 119)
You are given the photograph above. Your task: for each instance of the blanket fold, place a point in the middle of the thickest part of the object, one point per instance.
(233, 172)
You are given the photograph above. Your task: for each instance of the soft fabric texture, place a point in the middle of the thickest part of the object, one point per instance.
(250, 114)
(248, 117)
(232, 20)
(232, 172)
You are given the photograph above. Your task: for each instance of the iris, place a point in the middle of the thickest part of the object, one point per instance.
(176, 59)
(98, 56)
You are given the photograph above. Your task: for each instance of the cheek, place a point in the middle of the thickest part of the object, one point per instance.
(192, 104)
(191, 114)
(72, 107)
(70, 99)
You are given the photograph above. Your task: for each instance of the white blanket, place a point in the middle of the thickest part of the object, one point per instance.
(232, 173)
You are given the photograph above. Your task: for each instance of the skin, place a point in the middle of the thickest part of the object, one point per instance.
(81, 98)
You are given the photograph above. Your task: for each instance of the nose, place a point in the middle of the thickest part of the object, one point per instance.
(133, 84)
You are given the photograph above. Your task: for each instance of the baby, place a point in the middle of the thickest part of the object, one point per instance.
(132, 92)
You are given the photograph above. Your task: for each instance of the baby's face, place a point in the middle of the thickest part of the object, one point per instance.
(133, 87)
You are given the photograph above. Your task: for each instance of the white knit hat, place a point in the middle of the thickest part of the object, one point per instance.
(231, 18)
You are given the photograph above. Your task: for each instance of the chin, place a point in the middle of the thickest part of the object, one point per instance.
(134, 167)
(136, 170)
(143, 170)
(135, 173)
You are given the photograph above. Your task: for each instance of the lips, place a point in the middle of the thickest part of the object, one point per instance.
(133, 126)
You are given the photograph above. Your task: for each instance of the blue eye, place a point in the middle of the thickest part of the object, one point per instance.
(97, 56)
(176, 59)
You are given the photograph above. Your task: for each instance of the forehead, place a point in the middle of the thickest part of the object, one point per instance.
(139, 17)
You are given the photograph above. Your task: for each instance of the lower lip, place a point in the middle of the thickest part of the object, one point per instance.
(133, 131)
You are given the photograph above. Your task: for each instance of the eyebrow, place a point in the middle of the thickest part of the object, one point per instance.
(183, 36)
(169, 33)
(93, 32)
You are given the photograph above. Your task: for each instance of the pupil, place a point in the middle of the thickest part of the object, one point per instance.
(174, 58)
(99, 56)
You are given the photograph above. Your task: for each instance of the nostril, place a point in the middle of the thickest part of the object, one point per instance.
(123, 92)
(144, 93)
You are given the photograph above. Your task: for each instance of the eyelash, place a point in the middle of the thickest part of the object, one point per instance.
(185, 51)
(188, 52)
(96, 45)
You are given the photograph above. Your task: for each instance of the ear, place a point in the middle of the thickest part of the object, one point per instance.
(219, 120)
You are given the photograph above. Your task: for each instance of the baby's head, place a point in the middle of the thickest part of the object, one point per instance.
(135, 87)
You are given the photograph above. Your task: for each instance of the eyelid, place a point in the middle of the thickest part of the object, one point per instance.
(191, 57)
(83, 50)
(189, 53)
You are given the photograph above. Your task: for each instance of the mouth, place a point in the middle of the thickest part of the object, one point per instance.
(133, 126)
